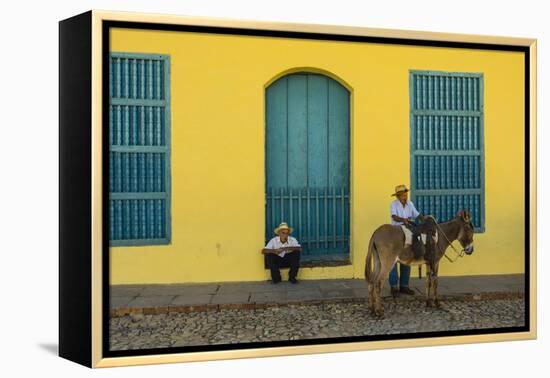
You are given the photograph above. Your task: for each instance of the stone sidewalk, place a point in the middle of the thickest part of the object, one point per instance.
(158, 299)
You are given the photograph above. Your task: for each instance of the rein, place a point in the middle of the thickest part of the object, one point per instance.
(458, 254)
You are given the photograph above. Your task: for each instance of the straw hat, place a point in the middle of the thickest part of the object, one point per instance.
(400, 189)
(281, 226)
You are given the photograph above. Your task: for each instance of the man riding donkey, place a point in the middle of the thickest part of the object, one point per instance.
(409, 243)
(403, 212)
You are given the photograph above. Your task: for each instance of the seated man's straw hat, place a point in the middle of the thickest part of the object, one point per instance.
(281, 226)
(400, 189)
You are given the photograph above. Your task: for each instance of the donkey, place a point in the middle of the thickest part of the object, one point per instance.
(387, 246)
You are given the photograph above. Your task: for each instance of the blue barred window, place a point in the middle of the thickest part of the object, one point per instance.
(446, 145)
(139, 149)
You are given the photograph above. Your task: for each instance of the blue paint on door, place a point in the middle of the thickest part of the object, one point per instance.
(307, 162)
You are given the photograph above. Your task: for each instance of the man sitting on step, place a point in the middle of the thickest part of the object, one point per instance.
(283, 248)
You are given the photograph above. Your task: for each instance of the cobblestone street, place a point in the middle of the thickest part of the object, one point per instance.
(291, 322)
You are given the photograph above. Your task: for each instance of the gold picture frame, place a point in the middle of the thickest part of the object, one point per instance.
(82, 181)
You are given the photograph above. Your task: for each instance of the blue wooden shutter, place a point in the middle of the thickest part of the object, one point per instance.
(139, 156)
(447, 153)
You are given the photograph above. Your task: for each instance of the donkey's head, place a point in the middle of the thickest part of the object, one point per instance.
(466, 231)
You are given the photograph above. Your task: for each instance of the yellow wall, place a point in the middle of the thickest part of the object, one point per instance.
(218, 84)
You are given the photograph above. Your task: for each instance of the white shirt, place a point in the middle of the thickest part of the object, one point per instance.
(276, 243)
(407, 211)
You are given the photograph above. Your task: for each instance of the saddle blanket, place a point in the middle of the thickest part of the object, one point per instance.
(409, 235)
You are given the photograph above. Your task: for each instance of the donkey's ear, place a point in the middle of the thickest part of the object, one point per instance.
(464, 215)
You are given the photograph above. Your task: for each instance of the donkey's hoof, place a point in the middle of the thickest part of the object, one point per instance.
(429, 303)
(437, 303)
(378, 312)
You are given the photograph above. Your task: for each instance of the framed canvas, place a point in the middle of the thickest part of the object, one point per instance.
(236, 188)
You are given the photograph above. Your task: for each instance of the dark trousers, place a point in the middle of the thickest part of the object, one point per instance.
(290, 259)
(402, 277)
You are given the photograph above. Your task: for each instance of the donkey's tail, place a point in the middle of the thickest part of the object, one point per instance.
(373, 258)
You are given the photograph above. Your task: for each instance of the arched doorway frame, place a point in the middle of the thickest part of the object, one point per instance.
(339, 79)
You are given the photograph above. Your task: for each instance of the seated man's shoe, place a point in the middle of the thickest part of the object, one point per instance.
(406, 290)
(293, 280)
(275, 281)
(394, 292)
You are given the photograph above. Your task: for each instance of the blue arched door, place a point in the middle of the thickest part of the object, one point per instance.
(307, 162)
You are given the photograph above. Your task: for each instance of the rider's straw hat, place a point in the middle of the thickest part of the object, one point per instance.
(400, 189)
